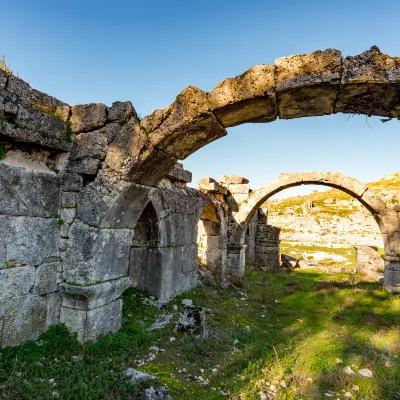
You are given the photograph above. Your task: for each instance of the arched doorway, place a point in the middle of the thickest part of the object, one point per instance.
(145, 257)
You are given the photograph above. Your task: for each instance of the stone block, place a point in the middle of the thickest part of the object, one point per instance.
(88, 117)
(392, 274)
(232, 179)
(16, 281)
(46, 278)
(27, 192)
(61, 142)
(28, 240)
(145, 269)
(188, 125)
(90, 144)
(180, 174)
(24, 318)
(85, 166)
(178, 229)
(370, 84)
(93, 296)
(95, 254)
(121, 111)
(307, 84)
(235, 188)
(90, 324)
(249, 97)
(53, 303)
(68, 199)
(72, 182)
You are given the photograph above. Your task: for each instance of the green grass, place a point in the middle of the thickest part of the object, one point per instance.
(300, 323)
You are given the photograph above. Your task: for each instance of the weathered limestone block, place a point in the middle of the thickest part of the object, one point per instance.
(93, 296)
(233, 179)
(236, 260)
(68, 199)
(370, 85)
(27, 192)
(145, 269)
(61, 141)
(178, 229)
(72, 182)
(307, 84)
(46, 278)
(387, 221)
(212, 186)
(121, 111)
(24, 318)
(95, 254)
(90, 144)
(186, 127)
(88, 117)
(249, 97)
(333, 179)
(391, 243)
(109, 204)
(353, 186)
(93, 323)
(16, 281)
(28, 240)
(180, 174)
(373, 202)
(53, 303)
(8, 104)
(239, 188)
(127, 143)
(86, 166)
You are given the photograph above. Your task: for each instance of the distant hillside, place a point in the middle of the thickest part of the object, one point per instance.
(331, 218)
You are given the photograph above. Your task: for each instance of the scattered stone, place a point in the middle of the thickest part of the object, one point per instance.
(138, 376)
(192, 320)
(76, 358)
(160, 393)
(172, 339)
(347, 370)
(161, 322)
(187, 302)
(367, 373)
(175, 307)
(339, 361)
(247, 328)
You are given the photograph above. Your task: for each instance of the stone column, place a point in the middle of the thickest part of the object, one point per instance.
(238, 191)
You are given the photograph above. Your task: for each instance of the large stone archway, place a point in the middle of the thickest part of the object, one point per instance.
(386, 218)
(319, 83)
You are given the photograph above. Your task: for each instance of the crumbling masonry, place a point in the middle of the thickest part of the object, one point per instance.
(93, 199)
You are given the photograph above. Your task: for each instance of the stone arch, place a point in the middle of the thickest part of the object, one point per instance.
(385, 217)
(314, 84)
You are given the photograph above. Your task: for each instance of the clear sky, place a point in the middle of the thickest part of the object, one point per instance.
(148, 51)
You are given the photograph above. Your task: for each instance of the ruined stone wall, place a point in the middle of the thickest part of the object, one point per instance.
(369, 262)
(267, 244)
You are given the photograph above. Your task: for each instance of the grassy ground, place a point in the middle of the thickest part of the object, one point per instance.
(300, 323)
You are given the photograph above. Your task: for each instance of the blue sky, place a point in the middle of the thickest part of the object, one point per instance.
(147, 52)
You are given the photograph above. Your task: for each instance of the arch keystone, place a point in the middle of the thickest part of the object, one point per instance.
(249, 97)
(308, 84)
(334, 179)
(311, 177)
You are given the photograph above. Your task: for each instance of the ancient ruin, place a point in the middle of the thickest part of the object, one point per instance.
(94, 199)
